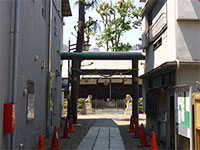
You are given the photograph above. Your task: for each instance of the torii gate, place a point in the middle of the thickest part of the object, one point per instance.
(134, 56)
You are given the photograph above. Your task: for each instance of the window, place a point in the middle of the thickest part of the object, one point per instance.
(157, 44)
(44, 8)
(55, 26)
(30, 110)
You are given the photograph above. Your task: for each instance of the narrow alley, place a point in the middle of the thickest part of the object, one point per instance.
(105, 130)
(100, 74)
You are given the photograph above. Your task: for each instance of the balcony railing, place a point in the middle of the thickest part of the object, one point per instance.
(157, 27)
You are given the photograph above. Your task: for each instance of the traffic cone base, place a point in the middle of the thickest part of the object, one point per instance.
(55, 144)
(153, 142)
(66, 134)
(139, 145)
(41, 143)
(131, 127)
(71, 129)
(136, 136)
(137, 133)
(66, 131)
(143, 140)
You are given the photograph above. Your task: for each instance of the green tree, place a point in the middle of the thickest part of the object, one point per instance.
(117, 18)
(91, 27)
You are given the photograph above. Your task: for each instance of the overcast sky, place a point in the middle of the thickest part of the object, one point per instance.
(131, 36)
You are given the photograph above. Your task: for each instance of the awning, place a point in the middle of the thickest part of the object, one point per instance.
(167, 67)
(66, 9)
(147, 8)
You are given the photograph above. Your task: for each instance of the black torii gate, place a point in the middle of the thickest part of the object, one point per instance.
(134, 56)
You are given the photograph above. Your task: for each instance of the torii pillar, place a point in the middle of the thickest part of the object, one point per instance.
(135, 89)
(75, 88)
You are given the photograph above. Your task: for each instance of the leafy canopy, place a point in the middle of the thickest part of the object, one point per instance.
(117, 19)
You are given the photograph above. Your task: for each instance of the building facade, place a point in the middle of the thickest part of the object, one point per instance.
(170, 38)
(103, 81)
(30, 42)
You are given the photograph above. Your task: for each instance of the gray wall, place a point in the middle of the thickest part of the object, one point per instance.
(187, 40)
(33, 41)
(5, 63)
(33, 37)
(191, 10)
(188, 74)
(55, 65)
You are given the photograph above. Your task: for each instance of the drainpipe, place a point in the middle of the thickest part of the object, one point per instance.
(177, 64)
(49, 66)
(15, 63)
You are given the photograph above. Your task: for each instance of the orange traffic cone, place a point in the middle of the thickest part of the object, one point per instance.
(41, 143)
(66, 131)
(71, 129)
(137, 133)
(143, 140)
(153, 142)
(55, 144)
(131, 127)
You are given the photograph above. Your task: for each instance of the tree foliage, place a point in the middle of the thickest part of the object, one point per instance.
(117, 19)
(91, 27)
(84, 27)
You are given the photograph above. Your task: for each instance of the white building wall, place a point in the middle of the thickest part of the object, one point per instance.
(106, 64)
(181, 39)
(65, 69)
(166, 52)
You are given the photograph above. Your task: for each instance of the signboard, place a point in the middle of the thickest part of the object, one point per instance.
(196, 98)
(30, 113)
(183, 111)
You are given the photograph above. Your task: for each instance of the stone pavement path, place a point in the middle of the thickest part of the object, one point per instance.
(103, 135)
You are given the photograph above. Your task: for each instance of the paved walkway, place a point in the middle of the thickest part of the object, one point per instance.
(103, 135)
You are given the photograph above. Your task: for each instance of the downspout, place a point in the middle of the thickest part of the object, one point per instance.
(49, 66)
(177, 68)
(15, 64)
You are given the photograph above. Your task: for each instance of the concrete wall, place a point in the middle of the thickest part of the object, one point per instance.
(187, 40)
(188, 75)
(33, 42)
(191, 10)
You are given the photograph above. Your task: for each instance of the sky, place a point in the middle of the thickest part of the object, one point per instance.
(130, 37)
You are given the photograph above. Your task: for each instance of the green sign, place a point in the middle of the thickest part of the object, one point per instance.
(183, 113)
(184, 109)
